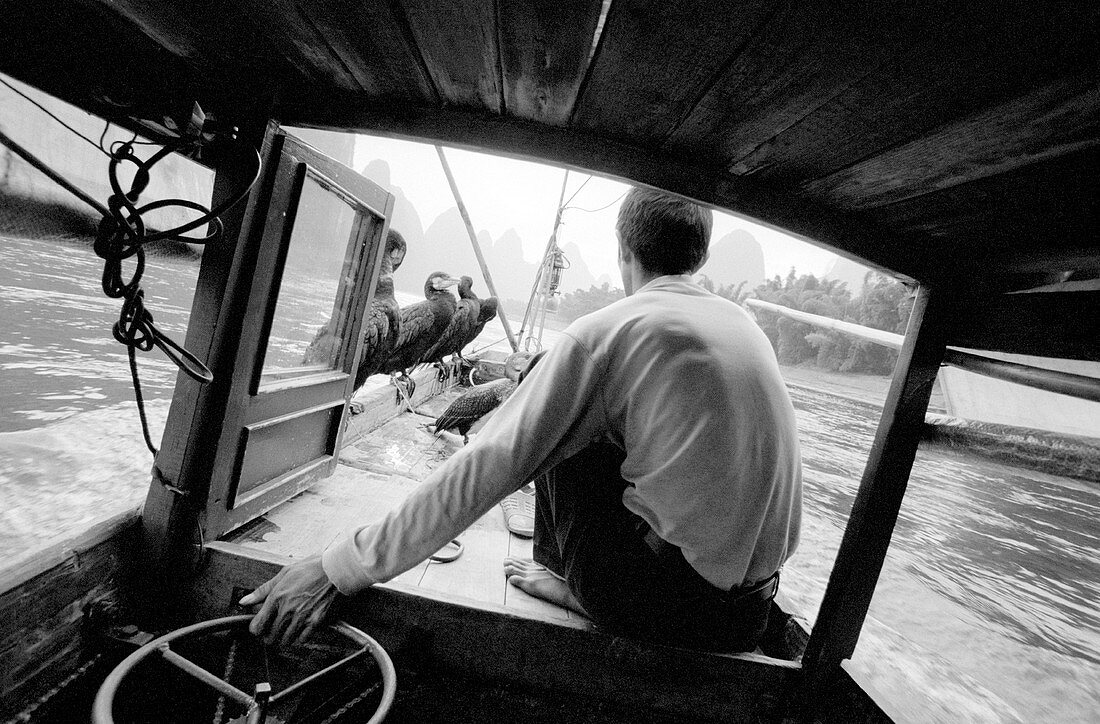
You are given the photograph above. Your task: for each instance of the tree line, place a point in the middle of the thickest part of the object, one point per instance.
(884, 303)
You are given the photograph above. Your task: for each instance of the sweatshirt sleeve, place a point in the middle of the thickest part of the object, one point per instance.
(554, 414)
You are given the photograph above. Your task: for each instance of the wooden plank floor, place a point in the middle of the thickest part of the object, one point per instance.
(376, 471)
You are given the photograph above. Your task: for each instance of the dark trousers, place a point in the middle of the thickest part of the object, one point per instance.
(585, 534)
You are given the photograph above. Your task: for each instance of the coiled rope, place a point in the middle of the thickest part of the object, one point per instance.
(122, 234)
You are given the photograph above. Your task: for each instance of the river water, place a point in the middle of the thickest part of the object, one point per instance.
(987, 609)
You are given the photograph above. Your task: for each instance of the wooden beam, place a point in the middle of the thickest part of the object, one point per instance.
(490, 642)
(44, 632)
(843, 233)
(1047, 324)
(875, 511)
(182, 469)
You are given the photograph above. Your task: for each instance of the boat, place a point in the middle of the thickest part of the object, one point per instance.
(951, 146)
(1011, 390)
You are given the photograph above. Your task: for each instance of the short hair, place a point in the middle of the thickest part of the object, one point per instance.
(667, 234)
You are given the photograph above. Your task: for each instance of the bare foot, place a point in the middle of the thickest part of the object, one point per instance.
(540, 582)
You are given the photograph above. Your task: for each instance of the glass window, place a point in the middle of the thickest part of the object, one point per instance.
(308, 329)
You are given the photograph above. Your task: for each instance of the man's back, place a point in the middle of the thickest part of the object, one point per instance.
(693, 394)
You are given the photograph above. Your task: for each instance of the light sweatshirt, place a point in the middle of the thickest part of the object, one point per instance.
(683, 381)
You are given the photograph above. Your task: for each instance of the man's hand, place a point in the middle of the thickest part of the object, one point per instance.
(295, 602)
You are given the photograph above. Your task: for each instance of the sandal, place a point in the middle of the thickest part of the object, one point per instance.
(519, 511)
(447, 553)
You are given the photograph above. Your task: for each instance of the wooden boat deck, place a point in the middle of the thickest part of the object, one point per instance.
(377, 469)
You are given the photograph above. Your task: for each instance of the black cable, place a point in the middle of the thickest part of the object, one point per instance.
(122, 234)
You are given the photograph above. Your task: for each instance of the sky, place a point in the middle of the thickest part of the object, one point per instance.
(504, 193)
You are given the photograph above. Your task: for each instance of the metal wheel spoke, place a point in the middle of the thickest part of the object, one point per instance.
(323, 672)
(196, 671)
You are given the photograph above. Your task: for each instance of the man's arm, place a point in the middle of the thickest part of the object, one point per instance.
(555, 412)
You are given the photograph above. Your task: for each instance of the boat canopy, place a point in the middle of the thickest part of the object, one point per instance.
(955, 144)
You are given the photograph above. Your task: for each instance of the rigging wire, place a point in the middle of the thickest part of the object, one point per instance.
(45, 110)
(592, 211)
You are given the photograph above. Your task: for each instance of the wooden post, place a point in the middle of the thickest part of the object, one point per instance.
(875, 511)
(181, 471)
(477, 248)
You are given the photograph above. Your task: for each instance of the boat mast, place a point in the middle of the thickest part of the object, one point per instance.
(477, 247)
(540, 288)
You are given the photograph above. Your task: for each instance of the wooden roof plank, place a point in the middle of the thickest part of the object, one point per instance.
(641, 86)
(458, 41)
(90, 75)
(217, 39)
(373, 41)
(1053, 121)
(806, 54)
(298, 41)
(544, 55)
(1045, 205)
(958, 61)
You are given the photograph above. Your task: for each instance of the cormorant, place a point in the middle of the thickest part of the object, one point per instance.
(380, 328)
(487, 309)
(463, 321)
(480, 400)
(423, 323)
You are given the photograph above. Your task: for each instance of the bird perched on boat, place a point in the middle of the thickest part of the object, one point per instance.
(458, 330)
(423, 323)
(487, 310)
(381, 327)
(480, 400)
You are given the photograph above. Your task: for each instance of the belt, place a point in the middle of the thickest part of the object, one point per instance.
(764, 590)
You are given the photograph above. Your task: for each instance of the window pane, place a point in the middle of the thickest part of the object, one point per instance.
(307, 331)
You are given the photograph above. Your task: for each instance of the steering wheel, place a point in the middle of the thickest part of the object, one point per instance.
(257, 704)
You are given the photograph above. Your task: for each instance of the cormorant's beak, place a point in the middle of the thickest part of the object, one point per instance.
(448, 282)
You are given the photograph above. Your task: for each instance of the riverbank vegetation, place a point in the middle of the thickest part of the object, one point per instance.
(883, 303)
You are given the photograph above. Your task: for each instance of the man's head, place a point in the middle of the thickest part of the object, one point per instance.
(663, 234)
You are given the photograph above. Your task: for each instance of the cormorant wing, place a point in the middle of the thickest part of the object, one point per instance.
(474, 404)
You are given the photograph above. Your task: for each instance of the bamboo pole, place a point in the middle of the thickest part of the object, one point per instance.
(477, 248)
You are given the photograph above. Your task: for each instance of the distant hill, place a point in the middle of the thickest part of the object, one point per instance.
(445, 246)
(849, 272)
(736, 257)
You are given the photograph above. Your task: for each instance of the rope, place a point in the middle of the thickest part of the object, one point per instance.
(27, 714)
(122, 234)
(230, 660)
(336, 715)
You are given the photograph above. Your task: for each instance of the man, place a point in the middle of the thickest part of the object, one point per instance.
(663, 445)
